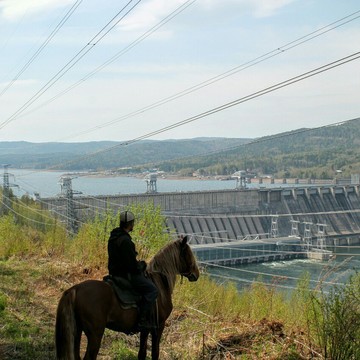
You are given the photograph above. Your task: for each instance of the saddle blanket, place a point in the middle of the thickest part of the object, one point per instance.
(123, 290)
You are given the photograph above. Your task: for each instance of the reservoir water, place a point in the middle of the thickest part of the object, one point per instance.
(47, 183)
(285, 274)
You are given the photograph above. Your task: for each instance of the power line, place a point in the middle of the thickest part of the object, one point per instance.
(38, 200)
(243, 270)
(228, 105)
(25, 217)
(254, 95)
(94, 41)
(336, 212)
(14, 31)
(43, 45)
(149, 32)
(219, 245)
(288, 287)
(260, 242)
(205, 83)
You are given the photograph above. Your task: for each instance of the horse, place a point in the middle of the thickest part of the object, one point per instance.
(92, 305)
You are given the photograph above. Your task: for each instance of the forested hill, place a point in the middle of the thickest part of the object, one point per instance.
(111, 155)
(303, 153)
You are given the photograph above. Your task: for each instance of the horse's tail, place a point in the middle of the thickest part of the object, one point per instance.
(65, 328)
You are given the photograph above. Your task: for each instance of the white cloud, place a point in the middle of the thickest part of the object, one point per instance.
(21, 83)
(265, 8)
(258, 8)
(149, 14)
(12, 10)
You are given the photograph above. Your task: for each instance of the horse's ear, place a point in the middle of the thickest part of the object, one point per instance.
(184, 240)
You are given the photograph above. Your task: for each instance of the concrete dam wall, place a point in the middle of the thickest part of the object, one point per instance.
(220, 216)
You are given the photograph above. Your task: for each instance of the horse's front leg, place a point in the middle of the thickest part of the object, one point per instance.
(155, 342)
(143, 345)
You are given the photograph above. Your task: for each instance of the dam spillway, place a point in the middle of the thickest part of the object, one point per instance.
(331, 212)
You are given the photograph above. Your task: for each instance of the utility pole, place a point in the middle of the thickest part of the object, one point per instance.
(6, 196)
(68, 193)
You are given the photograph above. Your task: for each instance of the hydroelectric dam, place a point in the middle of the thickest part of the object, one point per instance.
(265, 223)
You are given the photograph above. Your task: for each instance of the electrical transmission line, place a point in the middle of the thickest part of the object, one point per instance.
(225, 106)
(94, 41)
(266, 274)
(43, 45)
(149, 32)
(259, 59)
(228, 73)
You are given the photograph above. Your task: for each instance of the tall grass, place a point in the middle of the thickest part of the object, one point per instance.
(89, 246)
(24, 233)
(336, 320)
(327, 325)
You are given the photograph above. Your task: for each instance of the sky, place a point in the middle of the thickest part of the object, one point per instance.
(76, 71)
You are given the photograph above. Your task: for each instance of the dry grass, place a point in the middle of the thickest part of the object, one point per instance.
(34, 285)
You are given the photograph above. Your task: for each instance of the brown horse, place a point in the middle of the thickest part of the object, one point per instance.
(92, 306)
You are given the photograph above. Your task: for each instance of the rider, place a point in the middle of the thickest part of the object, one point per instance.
(122, 262)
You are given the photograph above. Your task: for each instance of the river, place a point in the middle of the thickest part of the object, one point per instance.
(286, 274)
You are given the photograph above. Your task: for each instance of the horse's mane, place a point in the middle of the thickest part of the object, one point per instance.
(167, 262)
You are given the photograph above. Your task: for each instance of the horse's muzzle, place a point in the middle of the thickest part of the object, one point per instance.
(192, 277)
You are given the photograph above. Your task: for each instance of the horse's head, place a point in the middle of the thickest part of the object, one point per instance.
(188, 266)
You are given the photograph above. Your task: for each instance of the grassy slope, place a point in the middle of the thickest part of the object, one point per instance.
(30, 289)
(209, 321)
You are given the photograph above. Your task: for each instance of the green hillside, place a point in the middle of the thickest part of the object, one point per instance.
(303, 153)
(104, 155)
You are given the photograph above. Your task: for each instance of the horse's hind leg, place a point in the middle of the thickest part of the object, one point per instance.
(77, 344)
(93, 344)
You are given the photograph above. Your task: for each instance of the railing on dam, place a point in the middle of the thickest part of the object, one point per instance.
(249, 251)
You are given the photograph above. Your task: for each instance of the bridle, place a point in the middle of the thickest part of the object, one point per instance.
(189, 275)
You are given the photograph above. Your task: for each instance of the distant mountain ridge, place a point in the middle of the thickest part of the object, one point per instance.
(22, 154)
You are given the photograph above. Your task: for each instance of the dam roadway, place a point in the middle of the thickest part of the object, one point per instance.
(329, 214)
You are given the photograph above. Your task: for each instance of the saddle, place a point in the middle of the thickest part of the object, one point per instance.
(124, 291)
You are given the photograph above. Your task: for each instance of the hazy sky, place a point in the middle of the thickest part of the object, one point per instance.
(72, 76)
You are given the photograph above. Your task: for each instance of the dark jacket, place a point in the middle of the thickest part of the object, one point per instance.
(122, 254)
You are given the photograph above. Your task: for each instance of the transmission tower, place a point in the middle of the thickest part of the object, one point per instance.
(68, 193)
(151, 183)
(6, 196)
(240, 179)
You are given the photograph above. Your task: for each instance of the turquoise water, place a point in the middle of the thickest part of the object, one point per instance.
(286, 274)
